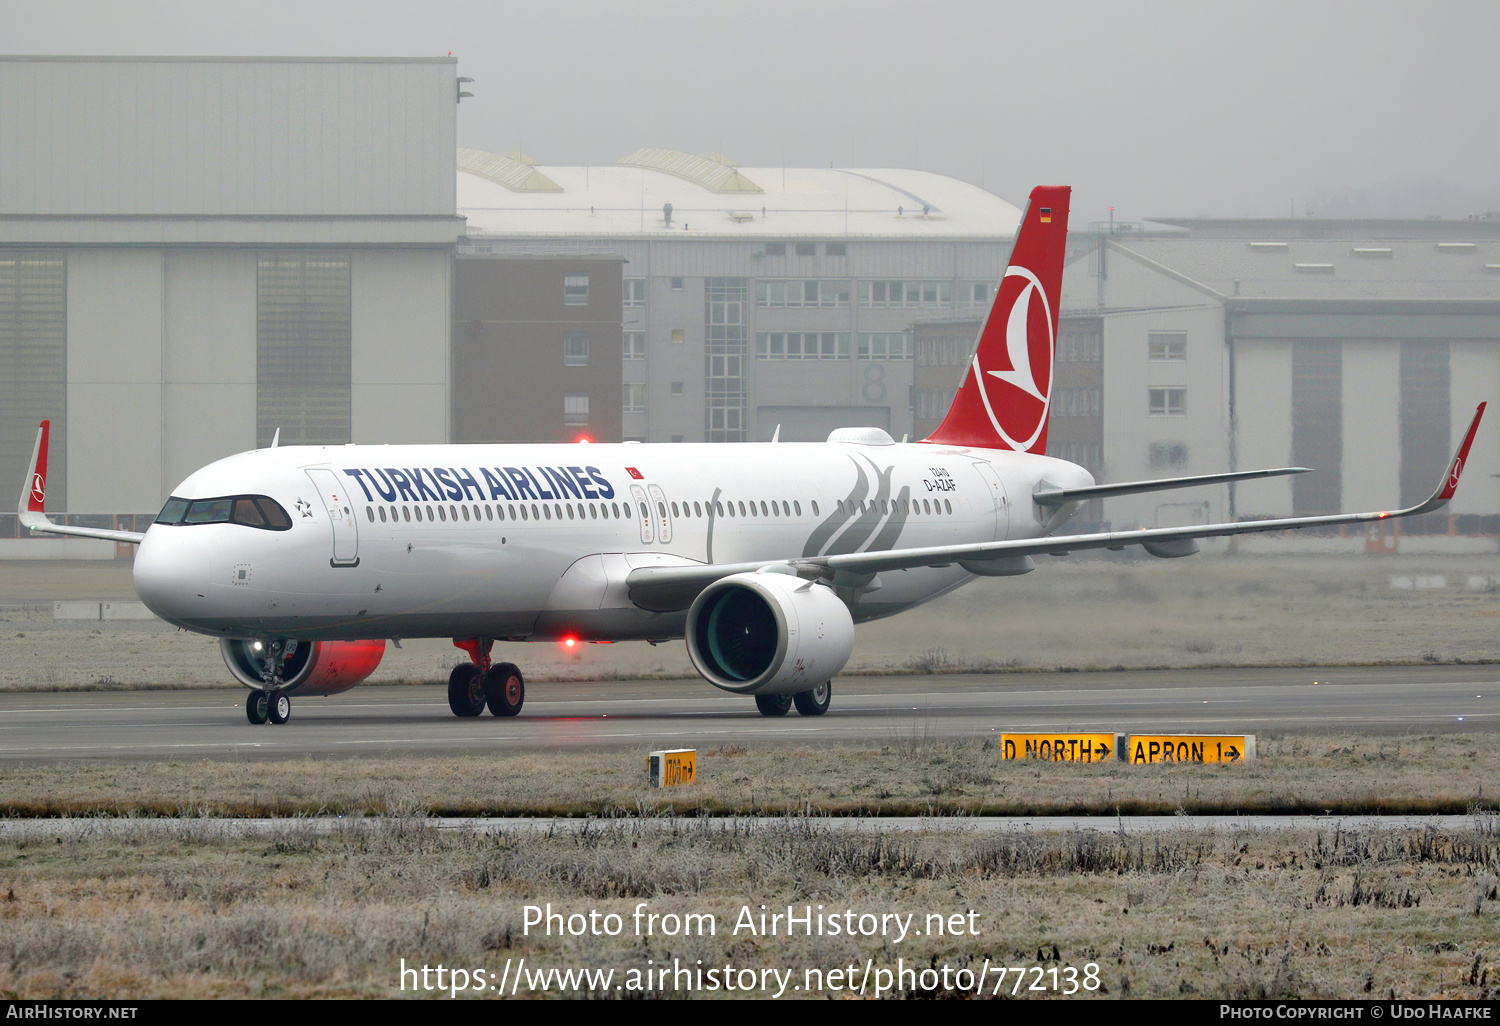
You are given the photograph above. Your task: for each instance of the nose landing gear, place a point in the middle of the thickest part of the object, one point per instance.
(269, 702)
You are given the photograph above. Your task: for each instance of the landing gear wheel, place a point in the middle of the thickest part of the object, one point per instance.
(281, 708)
(465, 690)
(773, 705)
(504, 689)
(814, 702)
(257, 707)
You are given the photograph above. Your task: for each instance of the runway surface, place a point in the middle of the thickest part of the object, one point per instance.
(415, 720)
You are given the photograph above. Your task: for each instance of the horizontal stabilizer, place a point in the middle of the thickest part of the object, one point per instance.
(1045, 496)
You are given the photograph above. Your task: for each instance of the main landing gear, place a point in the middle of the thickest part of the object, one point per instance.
(269, 702)
(472, 686)
(808, 703)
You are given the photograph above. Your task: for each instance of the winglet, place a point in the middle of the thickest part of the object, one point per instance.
(1449, 484)
(30, 509)
(34, 491)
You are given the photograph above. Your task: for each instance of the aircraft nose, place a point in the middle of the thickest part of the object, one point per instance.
(171, 572)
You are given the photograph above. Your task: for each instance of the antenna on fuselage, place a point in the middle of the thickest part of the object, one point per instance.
(276, 438)
(776, 435)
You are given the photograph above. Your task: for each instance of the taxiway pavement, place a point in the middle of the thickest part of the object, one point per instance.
(415, 719)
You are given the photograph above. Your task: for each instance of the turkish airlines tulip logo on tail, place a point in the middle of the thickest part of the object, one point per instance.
(38, 489)
(1017, 399)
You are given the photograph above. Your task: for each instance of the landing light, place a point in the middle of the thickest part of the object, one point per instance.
(570, 642)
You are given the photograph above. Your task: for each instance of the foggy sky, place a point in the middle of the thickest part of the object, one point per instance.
(1222, 108)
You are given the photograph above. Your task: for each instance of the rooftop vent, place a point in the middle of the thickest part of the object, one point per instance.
(1456, 247)
(713, 175)
(1492, 268)
(1314, 268)
(515, 175)
(741, 216)
(1268, 247)
(1373, 252)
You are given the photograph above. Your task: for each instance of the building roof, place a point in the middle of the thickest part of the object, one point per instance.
(1325, 269)
(713, 197)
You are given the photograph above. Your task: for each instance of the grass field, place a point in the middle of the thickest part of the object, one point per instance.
(198, 913)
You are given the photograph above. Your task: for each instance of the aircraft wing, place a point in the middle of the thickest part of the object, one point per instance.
(675, 587)
(1045, 496)
(34, 493)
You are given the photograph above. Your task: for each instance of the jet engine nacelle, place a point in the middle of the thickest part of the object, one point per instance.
(310, 668)
(768, 634)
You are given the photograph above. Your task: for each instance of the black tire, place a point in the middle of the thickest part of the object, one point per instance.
(465, 690)
(773, 705)
(257, 707)
(504, 689)
(814, 702)
(280, 708)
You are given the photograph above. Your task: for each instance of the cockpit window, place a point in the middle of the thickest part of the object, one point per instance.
(245, 512)
(173, 511)
(276, 517)
(208, 511)
(260, 511)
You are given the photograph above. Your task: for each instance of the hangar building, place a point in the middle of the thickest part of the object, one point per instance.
(753, 297)
(1357, 348)
(195, 252)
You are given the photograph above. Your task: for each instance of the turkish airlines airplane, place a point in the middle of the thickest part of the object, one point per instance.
(304, 560)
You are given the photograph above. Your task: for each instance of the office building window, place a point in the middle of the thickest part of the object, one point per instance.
(885, 345)
(1166, 454)
(677, 283)
(633, 345)
(1166, 345)
(975, 293)
(807, 249)
(677, 387)
(834, 249)
(775, 249)
(1167, 402)
(802, 345)
(1078, 347)
(904, 293)
(575, 350)
(575, 409)
(679, 334)
(575, 290)
(801, 293)
(725, 344)
(1079, 402)
(634, 397)
(635, 291)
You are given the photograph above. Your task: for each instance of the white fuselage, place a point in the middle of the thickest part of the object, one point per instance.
(531, 542)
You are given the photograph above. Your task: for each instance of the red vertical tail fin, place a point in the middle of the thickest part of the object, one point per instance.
(1006, 393)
